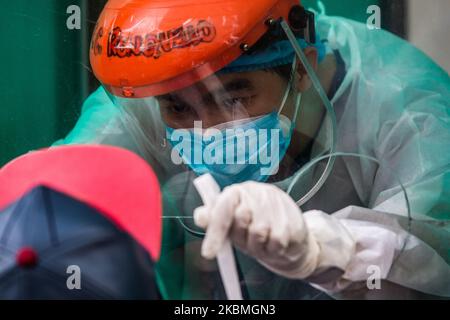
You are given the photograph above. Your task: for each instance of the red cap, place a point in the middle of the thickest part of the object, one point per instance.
(112, 180)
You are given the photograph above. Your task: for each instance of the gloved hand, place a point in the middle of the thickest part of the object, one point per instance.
(264, 222)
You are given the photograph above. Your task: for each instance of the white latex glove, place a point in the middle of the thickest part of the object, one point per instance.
(265, 223)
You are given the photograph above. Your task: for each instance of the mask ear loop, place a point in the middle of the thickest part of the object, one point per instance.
(316, 83)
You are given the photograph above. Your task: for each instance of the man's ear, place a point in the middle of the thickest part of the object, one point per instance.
(303, 82)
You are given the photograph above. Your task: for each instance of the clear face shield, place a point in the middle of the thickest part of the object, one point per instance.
(271, 124)
(254, 123)
(257, 122)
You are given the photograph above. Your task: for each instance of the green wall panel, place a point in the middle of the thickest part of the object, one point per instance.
(43, 78)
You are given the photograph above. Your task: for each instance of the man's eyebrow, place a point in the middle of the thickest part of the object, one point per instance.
(237, 85)
(232, 86)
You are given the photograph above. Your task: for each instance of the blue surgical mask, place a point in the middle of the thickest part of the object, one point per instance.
(236, 151)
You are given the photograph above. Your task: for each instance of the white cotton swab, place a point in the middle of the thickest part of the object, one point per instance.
(208, 189)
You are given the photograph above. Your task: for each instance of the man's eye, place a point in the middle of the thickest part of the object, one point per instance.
(179, 108)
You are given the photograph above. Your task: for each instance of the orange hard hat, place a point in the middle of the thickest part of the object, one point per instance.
(143, 48)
